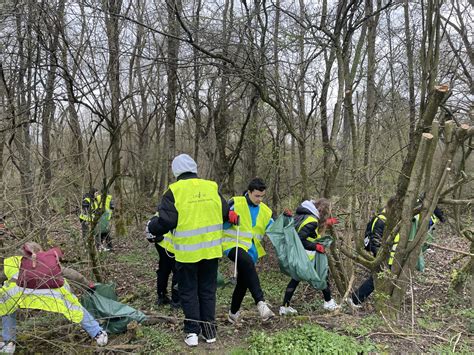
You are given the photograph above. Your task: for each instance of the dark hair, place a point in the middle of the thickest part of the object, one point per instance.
(92, 191)
(257, 184)
(390, 203)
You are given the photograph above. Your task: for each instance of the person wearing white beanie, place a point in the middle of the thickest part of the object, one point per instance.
(194, 211)
(183, 163)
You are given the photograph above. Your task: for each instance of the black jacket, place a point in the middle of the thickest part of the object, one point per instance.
(374, 234)
(309, 230)
(168, 215)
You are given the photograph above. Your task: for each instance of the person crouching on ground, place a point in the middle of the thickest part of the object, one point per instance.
(50, 293)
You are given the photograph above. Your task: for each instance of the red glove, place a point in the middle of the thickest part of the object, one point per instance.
(287, 212)
(234, 218)
(331, 221)
(320, 248)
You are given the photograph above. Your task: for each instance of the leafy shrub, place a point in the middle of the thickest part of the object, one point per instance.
(308, 339)
(363, 326)
(158, 340)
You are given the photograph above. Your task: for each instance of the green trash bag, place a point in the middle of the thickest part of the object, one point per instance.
(104, 307)
(103, 224)
(292, 257)
(420, 263)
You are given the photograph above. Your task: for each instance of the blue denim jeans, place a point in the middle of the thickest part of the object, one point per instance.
(89, 324)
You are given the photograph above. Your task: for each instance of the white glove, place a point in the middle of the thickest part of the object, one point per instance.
(150, 237)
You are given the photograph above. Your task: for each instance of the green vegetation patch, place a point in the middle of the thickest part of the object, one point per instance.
(159, 340)
(308, 339)
(363, 326)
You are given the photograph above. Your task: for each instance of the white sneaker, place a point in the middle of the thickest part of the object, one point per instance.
(331, 305)
(234, 318)
(265, 312)
(8, 348)
(101, 338)
(287, 311)
(351, 303)
(210, 340)
(191, 339)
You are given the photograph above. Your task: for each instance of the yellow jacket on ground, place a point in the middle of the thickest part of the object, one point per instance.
(58, 300)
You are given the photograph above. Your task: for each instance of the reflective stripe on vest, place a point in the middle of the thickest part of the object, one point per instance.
(394, 248)
(198, 234)
(198, 246)
(58, 300)
(167, 242)
(248, 234)
(226, 241)
(194, 232)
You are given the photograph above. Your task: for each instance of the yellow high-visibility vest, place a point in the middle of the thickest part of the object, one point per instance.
(89, 217)
(198, 234)
(58, 300)
(247, 233)
(167, 242)
(309, 219)
(107, 209)
(396, 240)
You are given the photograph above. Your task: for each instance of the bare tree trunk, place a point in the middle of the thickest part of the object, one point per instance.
(411, 74)
(197, 83)
(174, 8)
(22, 138)
(49, 106)
(112, 9)
(372, 22)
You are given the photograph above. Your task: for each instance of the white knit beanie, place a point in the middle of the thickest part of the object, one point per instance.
(183, 163)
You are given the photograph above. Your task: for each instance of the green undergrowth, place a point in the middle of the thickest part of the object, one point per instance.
(307, 339)
(157, 340)
(363, 326)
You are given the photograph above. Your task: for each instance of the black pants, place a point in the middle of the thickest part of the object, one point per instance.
(291, 288)
(197, 291)
(166, 266)
(85, 229)
(367, 287)
(247, 278)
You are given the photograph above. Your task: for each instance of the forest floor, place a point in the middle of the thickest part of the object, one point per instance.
(440, 321)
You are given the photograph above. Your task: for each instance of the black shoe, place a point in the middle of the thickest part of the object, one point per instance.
(162, 300)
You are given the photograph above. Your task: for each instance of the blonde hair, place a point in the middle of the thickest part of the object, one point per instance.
(323, 205)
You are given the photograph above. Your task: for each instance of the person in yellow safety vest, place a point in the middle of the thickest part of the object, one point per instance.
(311, 219)
(103, 237)
(243, 244)
(57, 300)
(372, 243)
(87, 212)
(193, 209)
(166, 266)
